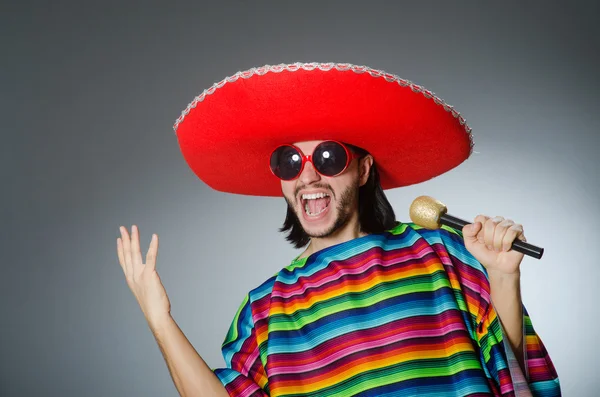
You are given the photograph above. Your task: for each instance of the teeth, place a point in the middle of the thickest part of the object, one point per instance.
(314, 196)
(309, 213)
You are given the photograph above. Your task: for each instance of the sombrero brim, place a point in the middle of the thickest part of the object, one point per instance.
(227, 133)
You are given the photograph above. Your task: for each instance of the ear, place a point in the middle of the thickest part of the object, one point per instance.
(364, 167)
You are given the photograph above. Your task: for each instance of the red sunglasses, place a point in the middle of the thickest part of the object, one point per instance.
(330, 158)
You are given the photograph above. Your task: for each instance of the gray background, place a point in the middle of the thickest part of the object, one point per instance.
(89, 93)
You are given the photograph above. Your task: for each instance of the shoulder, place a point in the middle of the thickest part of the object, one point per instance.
(446, 241)
(444, 235)
(252, 305)
(263, 290)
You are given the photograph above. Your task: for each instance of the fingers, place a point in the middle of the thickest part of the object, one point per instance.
(481, 219)
(488, 233)
(129, 253)
(470, 230)
(136, 253)
(126, 242)
(502, 242)
(121, 255)
(498, 234)
(513, 233)
(152, 253)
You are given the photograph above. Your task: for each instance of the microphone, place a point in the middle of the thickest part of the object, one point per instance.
(430, 213)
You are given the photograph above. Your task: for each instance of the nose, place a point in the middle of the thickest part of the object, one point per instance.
(309, 175)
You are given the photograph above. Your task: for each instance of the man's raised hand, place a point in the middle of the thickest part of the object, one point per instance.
(142, 279)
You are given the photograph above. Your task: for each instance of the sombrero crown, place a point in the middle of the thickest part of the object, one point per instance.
(227, 133)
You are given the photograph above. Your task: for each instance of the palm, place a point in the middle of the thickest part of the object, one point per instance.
(142, 278)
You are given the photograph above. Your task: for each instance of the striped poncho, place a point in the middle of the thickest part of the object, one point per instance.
(402, 313)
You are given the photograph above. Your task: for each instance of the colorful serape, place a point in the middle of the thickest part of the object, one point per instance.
(402, 313)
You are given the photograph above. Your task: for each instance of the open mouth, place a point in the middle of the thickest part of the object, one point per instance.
(315, 204)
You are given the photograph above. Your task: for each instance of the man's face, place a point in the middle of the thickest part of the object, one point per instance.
(323, 204)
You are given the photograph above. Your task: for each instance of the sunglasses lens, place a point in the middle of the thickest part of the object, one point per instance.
(330, 158)
(286, 162)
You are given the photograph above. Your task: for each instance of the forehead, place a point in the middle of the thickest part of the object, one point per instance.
(307, 146)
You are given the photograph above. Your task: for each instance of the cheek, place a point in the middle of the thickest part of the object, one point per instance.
(287, 188)
(343, 182)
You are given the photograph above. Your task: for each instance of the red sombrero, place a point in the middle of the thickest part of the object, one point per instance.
(228, 132)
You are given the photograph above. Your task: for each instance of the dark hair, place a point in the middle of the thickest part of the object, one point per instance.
(375, 213)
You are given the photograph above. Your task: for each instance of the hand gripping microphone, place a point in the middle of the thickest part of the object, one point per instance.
(430, 213)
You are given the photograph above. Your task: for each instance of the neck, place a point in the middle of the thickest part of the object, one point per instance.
(348, 232)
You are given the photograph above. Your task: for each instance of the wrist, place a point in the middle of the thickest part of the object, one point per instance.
(505, 292)
(159, 321)
(504, 279)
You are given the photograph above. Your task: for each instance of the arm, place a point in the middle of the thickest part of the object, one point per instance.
(489, 241)
(505, 292)
(244, 374)
(191, 375)
(501, 324)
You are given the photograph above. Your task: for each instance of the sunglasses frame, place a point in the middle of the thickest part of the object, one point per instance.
(350, 155)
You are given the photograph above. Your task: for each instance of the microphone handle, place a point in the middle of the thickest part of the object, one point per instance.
(518, 245)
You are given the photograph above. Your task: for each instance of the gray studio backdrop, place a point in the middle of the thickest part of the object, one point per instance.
(89, 93)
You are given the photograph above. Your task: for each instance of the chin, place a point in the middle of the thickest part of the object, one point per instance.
(314, 231)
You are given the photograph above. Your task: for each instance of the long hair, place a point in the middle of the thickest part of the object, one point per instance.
(375, 213)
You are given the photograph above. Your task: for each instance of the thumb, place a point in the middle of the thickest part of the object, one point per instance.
(470, 231)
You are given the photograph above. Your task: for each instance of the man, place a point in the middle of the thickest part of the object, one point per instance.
(372, 306)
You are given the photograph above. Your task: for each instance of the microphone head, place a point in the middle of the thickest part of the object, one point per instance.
(426, 211)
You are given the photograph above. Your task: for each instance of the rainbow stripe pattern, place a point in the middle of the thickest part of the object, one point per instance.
(402, 313)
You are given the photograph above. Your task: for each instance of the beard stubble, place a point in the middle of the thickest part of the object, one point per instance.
(344, 212)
